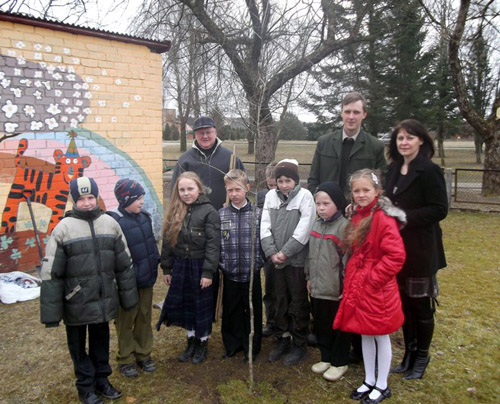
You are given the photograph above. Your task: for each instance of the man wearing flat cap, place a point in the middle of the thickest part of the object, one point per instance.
(209, 159)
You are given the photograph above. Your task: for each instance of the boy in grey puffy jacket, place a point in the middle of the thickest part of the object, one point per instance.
(287, 219)
(86, 274)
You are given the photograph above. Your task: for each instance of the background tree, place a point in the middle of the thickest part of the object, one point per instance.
(292, 128)
(488, 129)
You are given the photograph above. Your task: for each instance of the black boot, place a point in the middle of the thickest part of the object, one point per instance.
(200, 351)
(425, 329)
(282, 347)
(188, 352)
(410, 346)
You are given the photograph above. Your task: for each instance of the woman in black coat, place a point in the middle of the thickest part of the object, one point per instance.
(416, 185)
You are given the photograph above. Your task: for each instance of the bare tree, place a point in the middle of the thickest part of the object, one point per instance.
(268, 44)
(488, 129)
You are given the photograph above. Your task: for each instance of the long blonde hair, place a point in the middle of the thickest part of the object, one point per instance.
(177, 210)
(356, 235)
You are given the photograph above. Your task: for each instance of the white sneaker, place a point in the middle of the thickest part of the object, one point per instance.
(320, 367)
(335, 373)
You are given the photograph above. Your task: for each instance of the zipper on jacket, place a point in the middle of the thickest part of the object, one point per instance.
(99, 272)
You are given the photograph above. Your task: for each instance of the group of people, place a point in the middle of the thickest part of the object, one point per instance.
(364, 267)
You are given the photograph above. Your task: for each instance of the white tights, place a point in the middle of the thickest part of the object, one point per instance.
(376, 347)
(191, 333)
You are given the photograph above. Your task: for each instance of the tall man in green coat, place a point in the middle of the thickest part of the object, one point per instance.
(343, 152)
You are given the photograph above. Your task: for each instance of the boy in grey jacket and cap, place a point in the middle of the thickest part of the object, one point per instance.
(287, 219)
(86, 274)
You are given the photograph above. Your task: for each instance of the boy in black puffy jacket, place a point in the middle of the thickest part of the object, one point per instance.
(135, 334)
(86, 275)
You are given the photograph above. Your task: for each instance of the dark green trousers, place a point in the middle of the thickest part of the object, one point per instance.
(134, 330)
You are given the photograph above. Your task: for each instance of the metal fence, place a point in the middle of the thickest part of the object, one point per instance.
(468, 186)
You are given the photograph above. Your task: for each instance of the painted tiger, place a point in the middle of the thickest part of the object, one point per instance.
(48, 188)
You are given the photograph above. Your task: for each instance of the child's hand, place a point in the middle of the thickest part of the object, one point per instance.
(282, 257)
(167, 279)
(205, 283)
(309, 286)
(275, 259)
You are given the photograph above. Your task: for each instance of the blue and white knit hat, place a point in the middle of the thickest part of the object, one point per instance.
(83, 186)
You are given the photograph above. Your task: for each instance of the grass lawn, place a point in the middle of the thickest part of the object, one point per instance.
(36, 367)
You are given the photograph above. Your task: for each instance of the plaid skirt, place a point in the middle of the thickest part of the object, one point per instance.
(187, 305)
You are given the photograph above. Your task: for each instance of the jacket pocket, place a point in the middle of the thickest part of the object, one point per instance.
(198, 237)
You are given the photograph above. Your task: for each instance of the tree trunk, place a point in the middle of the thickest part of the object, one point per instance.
(491, 179)
(440, 142)
(478, 145)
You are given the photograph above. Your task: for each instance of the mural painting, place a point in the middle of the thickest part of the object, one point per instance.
(60, 120)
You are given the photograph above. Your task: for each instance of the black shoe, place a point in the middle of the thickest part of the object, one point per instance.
(295, 356)
(418, 369)
(200, 351)
(282, 347)
(383, 395)
(312, 340)
(188, 352)
(89, 398)
(108, 391)
(128, 370)
(267, 331)
(356, 395)
(147, 366)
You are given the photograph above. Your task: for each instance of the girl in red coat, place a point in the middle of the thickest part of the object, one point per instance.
(371, 305)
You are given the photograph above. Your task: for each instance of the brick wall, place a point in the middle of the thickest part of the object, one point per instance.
(79, 105)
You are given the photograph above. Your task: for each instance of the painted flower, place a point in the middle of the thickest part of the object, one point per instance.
(11, 52)
(118, 82)
(61, 68)
(18, 72)
(38, 56)
(38, 74)
(9, 109)
(51, 123)
(102, 103)
(79, 103)
(16, 254)
(5, 241)
(89, 79)
(10, 127)
(87, 111)
(20, 45)
(114, 119)
(38, 83)
(58, 93)
(85, 86)
(88, 95)
(96, 87)
(46, 84)
(64, 118)
(26, 82)
(57, 59)
(37, 94)
(70, 77)
(57, 76)
(5, 83)
(2, 75)
(81, 117)
(65, 101)
(98, 119)
(73, 123)
(17, 92)
(76, 61)
(29, 110)
(137, 97)
(77, 86)
(60, 83)
(21, 61)
(66, 51)
(51, 69)
(37, 46)
(31, 241)
(53, 109)
(36, 125)
(71, 69)
(43, 64)
(126, 104)
(104, 73)
(77, 94)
